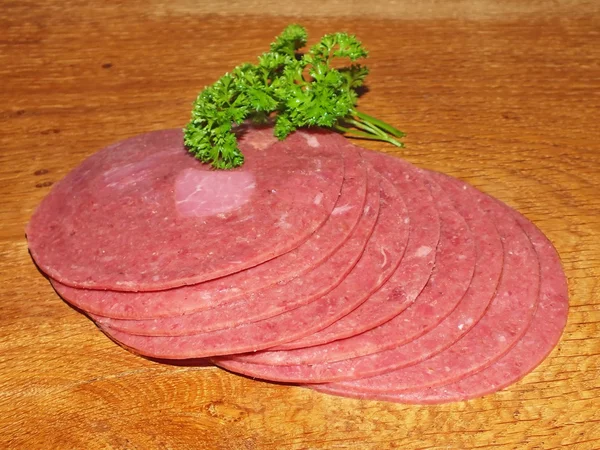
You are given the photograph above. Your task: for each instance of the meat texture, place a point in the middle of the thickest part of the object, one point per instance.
(380, 258)
(349, 271)
(503, 324)
(455, 263)
(141, 307)
(541, 337)
(412, 337)
(412, 273)
(134, 216)
(272, 300)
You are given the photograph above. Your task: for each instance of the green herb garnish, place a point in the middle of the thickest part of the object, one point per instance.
(296, 90)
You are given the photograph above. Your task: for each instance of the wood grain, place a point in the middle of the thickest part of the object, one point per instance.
(505, 95)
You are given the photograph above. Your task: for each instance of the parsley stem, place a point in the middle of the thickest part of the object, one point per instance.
(366, 127)
(380, 124)
(376, 133)
(357, 133)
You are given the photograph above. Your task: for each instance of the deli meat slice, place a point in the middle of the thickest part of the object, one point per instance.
(380, 258)
(503, 324)
(143, 214)
(540, 338)
(455, 263)
(138, 306)
(406, 282)
(272, 300)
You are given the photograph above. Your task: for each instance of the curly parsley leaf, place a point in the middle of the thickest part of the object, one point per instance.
(297, 90)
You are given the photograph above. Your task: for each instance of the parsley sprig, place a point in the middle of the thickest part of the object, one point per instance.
(296, 90)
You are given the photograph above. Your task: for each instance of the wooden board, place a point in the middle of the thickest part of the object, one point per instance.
(504, 95)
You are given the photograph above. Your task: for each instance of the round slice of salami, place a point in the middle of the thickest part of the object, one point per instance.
(540, 338)
(272, 300)
(138, 306)
(504, 323)
(410, 276)
(380, 258)
(455, 264)
(143, 214)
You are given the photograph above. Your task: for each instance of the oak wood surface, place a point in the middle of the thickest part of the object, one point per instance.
(505, 95)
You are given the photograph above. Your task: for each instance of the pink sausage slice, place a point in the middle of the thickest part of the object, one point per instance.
(139, 306)
(135, 216)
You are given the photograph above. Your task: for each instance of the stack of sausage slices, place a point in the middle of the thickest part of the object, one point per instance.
(318, 262)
